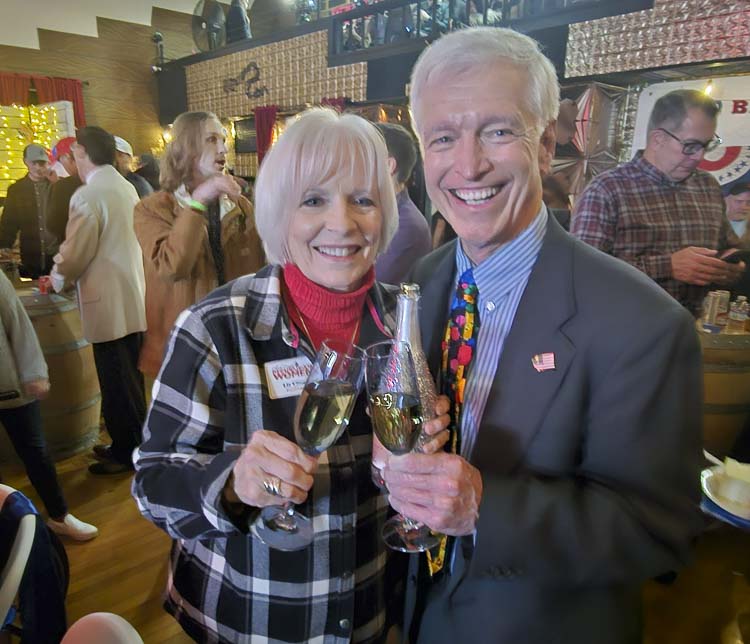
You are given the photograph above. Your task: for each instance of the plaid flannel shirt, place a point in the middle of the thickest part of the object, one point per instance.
(635, 212)
(210, 396)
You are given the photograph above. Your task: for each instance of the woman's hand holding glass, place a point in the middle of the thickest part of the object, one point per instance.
(269, 457)
(322, 415)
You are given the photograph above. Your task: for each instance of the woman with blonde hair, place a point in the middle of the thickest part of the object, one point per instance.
(196, 233)
(218, 443)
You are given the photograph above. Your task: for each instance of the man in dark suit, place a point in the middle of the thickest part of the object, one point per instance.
(575, 470)
(63, 189)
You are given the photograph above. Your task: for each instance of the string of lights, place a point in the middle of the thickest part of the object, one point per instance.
(21, 125)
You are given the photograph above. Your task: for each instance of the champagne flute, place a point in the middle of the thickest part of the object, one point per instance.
(321, 417)
(397, 418)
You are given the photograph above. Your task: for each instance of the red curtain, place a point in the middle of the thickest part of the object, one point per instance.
(49, 90)
(265, 119)
(337, 104)
(71, 89)
(14, 88)
(45, 89)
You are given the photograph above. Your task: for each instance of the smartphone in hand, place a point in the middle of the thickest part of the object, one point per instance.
(737, 256)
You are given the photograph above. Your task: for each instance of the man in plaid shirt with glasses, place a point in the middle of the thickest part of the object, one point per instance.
(659, 212)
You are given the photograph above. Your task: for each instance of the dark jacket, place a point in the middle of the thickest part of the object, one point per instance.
(59, 204)
(149, 170)
(20, 216)
(142, 187)
(590, 470)
(44, 584)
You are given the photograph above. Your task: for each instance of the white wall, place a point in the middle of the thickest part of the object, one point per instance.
(20, 19)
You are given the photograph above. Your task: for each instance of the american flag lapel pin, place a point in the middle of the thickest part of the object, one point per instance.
(543, 362)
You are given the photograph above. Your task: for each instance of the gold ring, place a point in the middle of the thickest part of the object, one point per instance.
(272, 485)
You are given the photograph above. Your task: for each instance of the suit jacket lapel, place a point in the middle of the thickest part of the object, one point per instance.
(520, 396)
(437, 286)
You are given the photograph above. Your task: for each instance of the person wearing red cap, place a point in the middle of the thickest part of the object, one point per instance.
(63, 189)
(63, 163)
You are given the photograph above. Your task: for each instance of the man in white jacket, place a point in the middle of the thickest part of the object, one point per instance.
(102, 257)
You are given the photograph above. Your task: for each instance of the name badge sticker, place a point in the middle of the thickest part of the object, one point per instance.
(287, 378)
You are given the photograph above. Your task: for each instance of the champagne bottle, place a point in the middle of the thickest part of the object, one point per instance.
(407, 330)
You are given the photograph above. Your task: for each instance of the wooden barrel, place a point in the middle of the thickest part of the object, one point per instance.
(71, 411)
(726, 396)
(11, 269)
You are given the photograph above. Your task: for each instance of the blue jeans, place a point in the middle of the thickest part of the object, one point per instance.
(24, 427)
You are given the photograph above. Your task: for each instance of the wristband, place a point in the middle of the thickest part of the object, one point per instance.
(196, 205)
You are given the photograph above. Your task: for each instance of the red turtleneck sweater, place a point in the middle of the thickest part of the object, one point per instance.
(326, 314)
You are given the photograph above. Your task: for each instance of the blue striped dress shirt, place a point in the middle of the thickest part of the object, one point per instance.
(501, 279)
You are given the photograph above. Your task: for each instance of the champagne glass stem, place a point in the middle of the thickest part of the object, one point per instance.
(322, 413)
(284, 519)
(410, 524)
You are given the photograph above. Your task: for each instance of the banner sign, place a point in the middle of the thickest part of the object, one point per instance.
(731, 162)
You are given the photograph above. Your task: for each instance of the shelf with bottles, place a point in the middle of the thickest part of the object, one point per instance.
(723, 316)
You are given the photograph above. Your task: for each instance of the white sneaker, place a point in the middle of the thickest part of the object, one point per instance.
(73, 528)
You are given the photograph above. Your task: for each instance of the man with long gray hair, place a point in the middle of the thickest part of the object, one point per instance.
(573, 470)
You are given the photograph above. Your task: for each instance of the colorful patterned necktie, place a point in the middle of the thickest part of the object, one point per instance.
(459, 346)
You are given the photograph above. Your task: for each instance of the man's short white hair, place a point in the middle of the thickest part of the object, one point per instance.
(319, 145)
(476, 47)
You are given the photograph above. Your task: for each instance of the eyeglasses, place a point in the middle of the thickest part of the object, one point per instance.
(689, 148)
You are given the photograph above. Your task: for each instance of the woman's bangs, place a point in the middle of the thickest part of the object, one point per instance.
(335, 153)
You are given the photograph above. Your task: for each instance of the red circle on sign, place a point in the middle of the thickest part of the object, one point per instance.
(730, 156)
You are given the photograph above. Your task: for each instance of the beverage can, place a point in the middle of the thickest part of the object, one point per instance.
(45, 283)
(722, 311)
(710, 307)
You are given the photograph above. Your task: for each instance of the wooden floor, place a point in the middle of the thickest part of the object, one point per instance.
(710, 599)
(123, 570)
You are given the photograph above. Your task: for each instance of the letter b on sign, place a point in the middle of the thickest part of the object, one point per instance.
(739, 106)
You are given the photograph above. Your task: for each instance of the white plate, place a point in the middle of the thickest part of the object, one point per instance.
(731, 495)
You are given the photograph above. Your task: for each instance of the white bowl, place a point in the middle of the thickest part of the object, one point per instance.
(733, 495)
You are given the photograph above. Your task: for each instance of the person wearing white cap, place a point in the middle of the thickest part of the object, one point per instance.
(124, 165)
